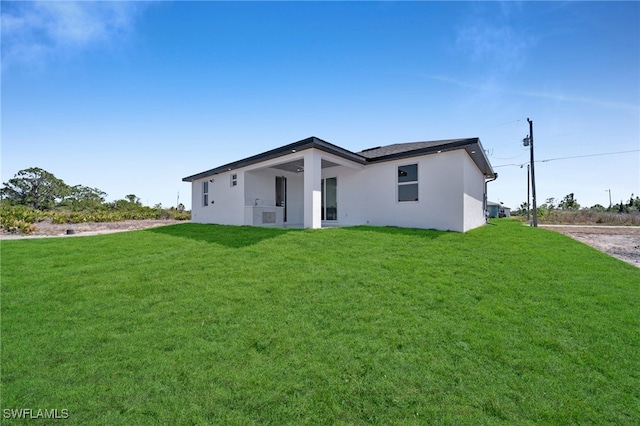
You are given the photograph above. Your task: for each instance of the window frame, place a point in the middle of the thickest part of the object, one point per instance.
(233, 179)
(205, 193)
(415, 183)
(323, 199)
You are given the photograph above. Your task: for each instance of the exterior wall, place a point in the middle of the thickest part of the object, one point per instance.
(494, 210)
(226, 202)
(295, 197)
(229, 202)
(474, 215)
(369, 196)
(260, 186)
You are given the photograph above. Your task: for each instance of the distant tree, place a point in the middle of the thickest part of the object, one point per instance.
(550, 203)
(598, 208)
(547, 208)
(133, 199)
(621, 207)
(36, 188)
(83, 197)
(569, 203)
(521, 210)
(634, 203)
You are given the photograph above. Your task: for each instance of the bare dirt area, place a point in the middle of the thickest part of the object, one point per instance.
(48, 229)
(622, 242)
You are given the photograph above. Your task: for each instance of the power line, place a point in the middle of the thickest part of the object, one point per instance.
(500, 125)
(507, 165)
(567, 158)
(591, 155)
(509, 158)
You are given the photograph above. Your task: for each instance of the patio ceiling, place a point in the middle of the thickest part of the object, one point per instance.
(297, 166)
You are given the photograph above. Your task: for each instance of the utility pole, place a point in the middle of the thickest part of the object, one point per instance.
(528, 192)
(609, 198)
(528, 141)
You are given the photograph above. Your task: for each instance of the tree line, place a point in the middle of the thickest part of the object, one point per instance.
(35, 194)
(570, 203)
(568, 211)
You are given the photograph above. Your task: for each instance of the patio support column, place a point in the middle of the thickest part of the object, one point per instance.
(312, 194)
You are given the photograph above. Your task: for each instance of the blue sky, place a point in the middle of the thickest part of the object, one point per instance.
(130, 97)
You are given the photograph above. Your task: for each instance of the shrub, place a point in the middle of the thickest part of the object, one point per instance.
(19, 218)
(23, 227)
(139, 213)
(590, 216)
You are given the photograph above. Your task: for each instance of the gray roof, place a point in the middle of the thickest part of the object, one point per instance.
(493, 203)
(413, 149)
(367, 156)
(399, 148)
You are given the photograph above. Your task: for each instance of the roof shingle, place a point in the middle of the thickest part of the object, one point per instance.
(402, 148)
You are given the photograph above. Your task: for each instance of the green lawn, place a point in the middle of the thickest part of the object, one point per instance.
(205, 324)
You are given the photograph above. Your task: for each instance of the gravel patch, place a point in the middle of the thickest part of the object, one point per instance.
(622, 242)
(47, 229)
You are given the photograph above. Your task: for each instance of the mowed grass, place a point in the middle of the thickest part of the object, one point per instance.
(206, 324)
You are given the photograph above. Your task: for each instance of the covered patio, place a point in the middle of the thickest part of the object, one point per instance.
(291, 191)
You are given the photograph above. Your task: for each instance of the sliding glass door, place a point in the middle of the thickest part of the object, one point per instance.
(329, 189)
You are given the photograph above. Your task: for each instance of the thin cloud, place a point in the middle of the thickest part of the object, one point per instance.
(536, 94)
(500, 46)
(490, 36)
(36, 32)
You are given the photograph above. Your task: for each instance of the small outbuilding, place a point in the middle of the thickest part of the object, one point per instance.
(497, 210)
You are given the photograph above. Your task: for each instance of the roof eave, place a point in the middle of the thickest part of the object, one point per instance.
(471, 145)
(480, 158)
(308, 143)
(424, 151)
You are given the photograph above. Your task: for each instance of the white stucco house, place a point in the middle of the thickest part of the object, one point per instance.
(313, 183)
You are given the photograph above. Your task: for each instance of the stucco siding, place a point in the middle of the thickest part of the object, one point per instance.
(473, 196)
(226, 202)
(260, 190)
(450, 192)
(370, 196)
(444, 191)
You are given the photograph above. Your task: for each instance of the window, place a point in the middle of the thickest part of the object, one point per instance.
(234, 179)
(205, 193)
(408, 183)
